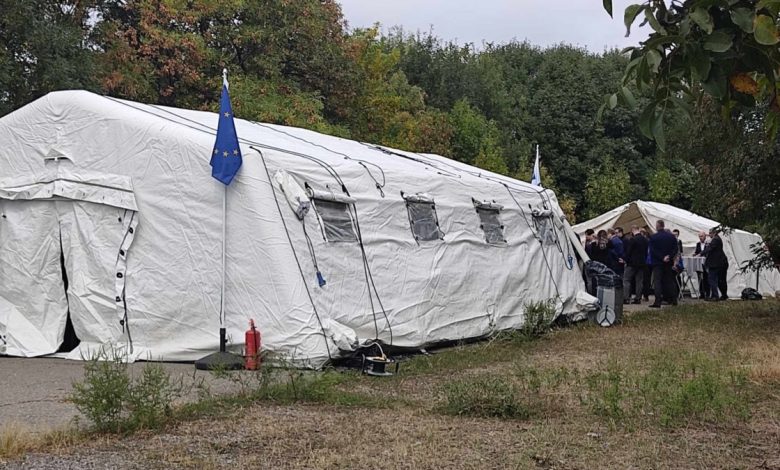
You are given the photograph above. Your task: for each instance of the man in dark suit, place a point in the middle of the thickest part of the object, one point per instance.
(704, 283)
(717, 265)
(662, 248)
(635, 255)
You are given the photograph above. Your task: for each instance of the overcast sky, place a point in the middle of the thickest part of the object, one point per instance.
(541, 22)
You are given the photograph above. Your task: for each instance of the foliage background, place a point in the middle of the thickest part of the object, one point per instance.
(295, 62)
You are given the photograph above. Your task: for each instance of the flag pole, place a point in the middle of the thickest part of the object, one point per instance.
(222, 329)
(223, 360)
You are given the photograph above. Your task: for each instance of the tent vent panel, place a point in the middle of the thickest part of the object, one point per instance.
(423, 219)
(490, 223)
(545, 229)
(336, 220)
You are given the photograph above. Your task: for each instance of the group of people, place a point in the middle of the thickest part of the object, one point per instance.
(713, 283)
(652, 263)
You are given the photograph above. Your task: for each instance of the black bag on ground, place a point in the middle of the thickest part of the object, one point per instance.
(751, 294)
(600, 275)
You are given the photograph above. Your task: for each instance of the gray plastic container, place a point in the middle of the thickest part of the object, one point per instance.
(611, 301)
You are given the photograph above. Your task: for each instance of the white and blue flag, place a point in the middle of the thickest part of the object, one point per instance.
(226, 157)
(536, 177)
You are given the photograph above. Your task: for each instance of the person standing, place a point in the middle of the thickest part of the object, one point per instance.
(647, 288)
(677, 265)
(717, 265)
(676, 234)
(662, 247)
(616, 251)
(635, 255)
(589, 238)
(704, 283)
(600, 249)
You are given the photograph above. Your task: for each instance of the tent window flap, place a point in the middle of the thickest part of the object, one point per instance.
(336, 221)
(490, 223)
(422, 218)
(545, 227)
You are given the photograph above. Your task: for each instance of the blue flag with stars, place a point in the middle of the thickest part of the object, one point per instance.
(226, 157)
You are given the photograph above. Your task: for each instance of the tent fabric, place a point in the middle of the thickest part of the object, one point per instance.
(737, 243)
(127, 172)
(58, 222)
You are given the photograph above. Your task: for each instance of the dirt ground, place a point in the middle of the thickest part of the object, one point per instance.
(406, 429)
(34, 391)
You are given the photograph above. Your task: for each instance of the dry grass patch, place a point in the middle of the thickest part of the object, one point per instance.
(333, 437)
(17, 439)
(763, 360)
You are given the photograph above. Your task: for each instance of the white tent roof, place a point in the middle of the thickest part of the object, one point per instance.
(737, 243)
(131, 206)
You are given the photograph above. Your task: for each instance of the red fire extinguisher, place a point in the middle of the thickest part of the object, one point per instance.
(252, 359)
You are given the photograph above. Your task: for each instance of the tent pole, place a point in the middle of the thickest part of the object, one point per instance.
(222, 334)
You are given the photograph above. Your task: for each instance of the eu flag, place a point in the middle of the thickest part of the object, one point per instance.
(226, 157)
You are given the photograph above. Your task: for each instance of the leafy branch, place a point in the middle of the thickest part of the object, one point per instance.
(724, 49)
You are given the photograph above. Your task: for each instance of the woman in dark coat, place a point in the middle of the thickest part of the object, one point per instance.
(600, 249)
(717, 265)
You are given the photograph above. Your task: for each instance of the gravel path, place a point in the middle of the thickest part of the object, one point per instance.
(34, 391)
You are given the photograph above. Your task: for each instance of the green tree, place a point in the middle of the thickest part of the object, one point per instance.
(738, 179)
(663, 186)
(489, 158)
(727, 50)
(606, 188)
(716, 64)
(287, 54)
(43, 48)
(152, 52)
(387, 108)
(473, 134)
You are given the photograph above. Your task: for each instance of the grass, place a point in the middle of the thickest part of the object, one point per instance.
(16, 440)
(689, 387)
(673, 391)
(484, 397)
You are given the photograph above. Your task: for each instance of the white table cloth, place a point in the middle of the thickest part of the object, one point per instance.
(693, 265)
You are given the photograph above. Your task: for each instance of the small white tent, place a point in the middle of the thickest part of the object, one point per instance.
(737, 243)
(116, 199)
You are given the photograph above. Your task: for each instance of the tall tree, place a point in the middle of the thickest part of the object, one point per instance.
(606, 188)
(473, 134)
(43, 47)
(388, 109)
(738, 180)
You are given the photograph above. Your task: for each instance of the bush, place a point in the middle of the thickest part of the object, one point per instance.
(538, 318)
(102, 395)
(486, 397)
(150, 397)
(115, 402)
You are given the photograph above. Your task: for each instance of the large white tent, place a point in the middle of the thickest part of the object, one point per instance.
(116, 200)
(736, 243)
